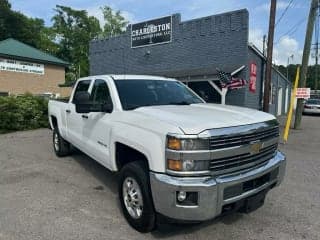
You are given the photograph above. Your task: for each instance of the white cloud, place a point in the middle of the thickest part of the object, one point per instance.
(256, 38)
(286, 47)
(130, 17)
(97, 12)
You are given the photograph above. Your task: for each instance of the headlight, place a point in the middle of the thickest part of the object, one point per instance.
(190, 144)
(187, 165)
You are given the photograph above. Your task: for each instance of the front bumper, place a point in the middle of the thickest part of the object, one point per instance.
(212, 196)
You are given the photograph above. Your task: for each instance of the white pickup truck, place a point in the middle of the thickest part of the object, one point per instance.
(177, 156)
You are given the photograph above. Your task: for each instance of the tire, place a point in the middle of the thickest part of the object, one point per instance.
(61, 147)
(136, 174)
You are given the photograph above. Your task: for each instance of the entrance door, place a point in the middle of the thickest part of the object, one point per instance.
(279, 101)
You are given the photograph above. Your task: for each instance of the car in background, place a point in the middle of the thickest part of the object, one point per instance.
(312, 106)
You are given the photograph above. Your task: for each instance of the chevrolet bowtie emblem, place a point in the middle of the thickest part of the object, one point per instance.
(255, 147)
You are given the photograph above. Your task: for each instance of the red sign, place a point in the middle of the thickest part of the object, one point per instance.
(303, 93)
(253, 77)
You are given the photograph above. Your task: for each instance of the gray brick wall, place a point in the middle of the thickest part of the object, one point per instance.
(204, 43)
(198, 47)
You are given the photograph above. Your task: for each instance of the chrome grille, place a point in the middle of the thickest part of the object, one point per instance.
(219, 142)
(242, 161)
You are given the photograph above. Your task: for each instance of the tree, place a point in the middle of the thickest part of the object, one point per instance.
(74, 29)
(115, 23)
(311, 74)
(31, 31)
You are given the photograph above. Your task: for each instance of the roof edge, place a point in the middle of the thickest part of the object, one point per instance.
(66, 64)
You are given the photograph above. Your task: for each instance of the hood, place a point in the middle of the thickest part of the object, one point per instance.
(195, 118)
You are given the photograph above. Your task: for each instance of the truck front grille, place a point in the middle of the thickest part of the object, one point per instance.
(242, 161)
(219, 142)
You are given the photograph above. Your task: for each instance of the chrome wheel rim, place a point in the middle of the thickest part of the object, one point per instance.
(132, 197)
(56, 141)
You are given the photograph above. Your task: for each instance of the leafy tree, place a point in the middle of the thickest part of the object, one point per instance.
(312, 74)
(115, 23)
(74, 29)
(31, 31)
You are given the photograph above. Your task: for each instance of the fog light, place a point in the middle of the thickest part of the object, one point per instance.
(181, 196)
(187, 198)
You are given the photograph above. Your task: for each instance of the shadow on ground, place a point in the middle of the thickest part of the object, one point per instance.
(165, 228)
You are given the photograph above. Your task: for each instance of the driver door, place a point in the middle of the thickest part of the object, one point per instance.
(96, 128)
(75, 120)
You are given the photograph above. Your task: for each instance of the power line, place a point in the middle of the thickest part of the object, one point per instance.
(283, 13)
(292, 30)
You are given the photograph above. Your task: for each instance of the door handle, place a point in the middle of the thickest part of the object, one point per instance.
(84, 116)
(68, 111)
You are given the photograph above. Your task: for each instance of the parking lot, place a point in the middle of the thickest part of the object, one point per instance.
(44, 197)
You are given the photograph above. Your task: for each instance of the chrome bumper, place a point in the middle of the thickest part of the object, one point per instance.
(210, 190)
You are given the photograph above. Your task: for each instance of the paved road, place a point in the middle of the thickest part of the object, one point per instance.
(43, 197)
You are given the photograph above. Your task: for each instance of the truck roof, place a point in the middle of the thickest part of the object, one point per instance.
(129, 76)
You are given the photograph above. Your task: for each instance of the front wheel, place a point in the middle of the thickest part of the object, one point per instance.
(135, 197)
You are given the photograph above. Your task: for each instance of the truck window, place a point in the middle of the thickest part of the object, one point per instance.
(135, 93)
(100, 92)
(82, 86)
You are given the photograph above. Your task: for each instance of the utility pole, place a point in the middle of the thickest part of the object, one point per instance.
(317, 49)
(316, 68)
(267, 81)
(264, 45)
(305, 60)
(291, 56)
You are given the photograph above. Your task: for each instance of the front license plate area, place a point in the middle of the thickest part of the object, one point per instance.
(254, 202)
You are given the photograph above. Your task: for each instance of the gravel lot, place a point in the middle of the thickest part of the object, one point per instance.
(44, 197)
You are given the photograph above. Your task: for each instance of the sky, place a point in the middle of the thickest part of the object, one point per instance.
(289, 31)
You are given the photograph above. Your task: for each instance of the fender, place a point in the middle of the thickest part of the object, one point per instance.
(149, 143)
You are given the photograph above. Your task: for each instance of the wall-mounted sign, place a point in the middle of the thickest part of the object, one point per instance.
(303, 93)
(253, 78)
(21, 66)
(156, 31)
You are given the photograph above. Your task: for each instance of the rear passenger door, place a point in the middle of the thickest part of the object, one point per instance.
(75, 120)
(96, 128)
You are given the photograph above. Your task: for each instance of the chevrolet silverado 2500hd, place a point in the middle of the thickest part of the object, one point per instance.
(177, 156)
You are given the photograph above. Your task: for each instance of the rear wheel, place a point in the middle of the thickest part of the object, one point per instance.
(135, 197)
(61, 147)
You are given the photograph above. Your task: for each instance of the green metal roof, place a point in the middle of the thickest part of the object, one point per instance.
(13, 48)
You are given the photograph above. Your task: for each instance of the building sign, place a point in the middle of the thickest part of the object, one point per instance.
(21, 66)
(253, 78)
(151, 32)
(303, 93)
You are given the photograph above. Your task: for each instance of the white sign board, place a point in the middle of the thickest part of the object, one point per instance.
(303, 93)
(21, 66)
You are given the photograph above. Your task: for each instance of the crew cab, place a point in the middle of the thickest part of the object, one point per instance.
(176, 155)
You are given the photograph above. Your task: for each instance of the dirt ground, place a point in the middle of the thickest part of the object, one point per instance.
(44, 197)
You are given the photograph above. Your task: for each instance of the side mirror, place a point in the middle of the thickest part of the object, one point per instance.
(107, 107)
(81, 97)
(85, 105)
(82, 102)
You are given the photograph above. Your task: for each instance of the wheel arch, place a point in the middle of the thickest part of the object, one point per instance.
(125, 154)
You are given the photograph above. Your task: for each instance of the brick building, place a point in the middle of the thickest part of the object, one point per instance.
(192, 51)
(26, 69)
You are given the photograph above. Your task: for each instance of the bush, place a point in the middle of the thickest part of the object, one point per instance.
(23, 113)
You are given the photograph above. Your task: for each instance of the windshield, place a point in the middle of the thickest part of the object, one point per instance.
(140, 93)
(313, 101)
